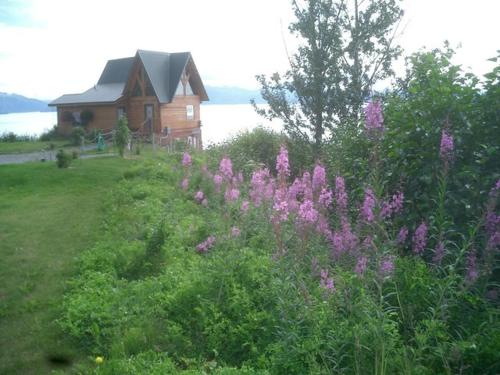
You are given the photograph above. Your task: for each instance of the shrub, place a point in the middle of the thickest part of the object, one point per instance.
(50, 135)
(77, 135)
(122, 135)
(63, 159)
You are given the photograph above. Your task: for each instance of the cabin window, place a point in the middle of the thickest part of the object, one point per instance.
(120, 112)
(137, 91)
(180, 89)
(190, 112)
(149, 88)
(189, 91)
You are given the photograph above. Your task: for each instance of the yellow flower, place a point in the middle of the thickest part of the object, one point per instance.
(99, 360)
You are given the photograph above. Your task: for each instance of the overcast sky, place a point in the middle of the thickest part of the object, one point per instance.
(49, 48)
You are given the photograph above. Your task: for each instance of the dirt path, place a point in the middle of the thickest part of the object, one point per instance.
(42, 156)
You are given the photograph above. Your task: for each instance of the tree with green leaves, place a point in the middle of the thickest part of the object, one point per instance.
(346, 47)
(122, 135)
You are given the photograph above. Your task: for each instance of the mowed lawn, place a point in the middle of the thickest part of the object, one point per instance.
(47, 217)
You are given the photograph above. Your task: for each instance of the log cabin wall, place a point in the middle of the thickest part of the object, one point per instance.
(105, 117)
(135, 112)
(174, 114)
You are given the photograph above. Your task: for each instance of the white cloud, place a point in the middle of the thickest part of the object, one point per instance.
(231, 40)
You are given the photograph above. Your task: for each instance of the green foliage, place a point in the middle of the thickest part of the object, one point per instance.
(346, 49)
(86, 117)
(437, 94)
(248, 149)
(258, 148)
(122, 135)
(63, 159)
(148, 302)
(50, 135)
(77, 135)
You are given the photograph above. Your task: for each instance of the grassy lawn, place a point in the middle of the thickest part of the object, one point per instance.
(28, 146)
(47, 216)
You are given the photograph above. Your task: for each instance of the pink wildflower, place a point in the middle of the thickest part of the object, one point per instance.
(185, 183)
(323, 227)
(199, 196)
(280, 206)
(307, 186)
(340, 195)
(392, 207)
(226, 168)
(235, 232)
(261, 186)
(374, 117)
(186, 160)
(446, 147)
(307, 213)
(325, 198)
(387, 265)
(403, 233)
(326, 282)
(368, 205)
(217, 182)
(420, 239)
(319, 178)
(245, 205)
(361, 265)
(282, 165)
(232, 194)
(206, 245)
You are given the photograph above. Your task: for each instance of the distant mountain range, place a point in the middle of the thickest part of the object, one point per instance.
(11, 103)
(232, 95)
(14, 103)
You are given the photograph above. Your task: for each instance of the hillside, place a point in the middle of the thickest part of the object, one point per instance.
(11, 103)
(232, 95)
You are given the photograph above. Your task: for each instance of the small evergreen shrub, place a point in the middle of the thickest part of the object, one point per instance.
(63, 159)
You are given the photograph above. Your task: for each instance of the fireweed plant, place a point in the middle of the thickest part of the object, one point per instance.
(316, 228)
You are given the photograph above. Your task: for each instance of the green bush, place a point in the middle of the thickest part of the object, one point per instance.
(63, 159)
(77, 135)
(122, 135)
(50, 135)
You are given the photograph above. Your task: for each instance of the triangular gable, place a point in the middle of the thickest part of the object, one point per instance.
(164, 71)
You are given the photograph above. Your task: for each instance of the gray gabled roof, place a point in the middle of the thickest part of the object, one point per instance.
(99, 94)
(163, 70)
(116, 71)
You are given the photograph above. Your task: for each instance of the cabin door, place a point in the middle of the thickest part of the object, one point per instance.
(148, 118)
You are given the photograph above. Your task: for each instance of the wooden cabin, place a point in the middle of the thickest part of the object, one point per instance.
(160, 93)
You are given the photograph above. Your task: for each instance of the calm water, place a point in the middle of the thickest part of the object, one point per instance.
(218, 121)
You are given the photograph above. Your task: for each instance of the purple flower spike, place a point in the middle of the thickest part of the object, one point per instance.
(374, 117)
(420, 238)
(387, 266)
(186, 160)
(282, 165)
(446, 147)
(319, 178)
(327, 282)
